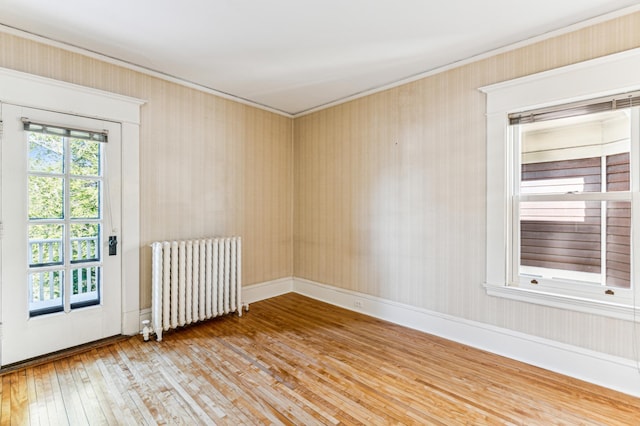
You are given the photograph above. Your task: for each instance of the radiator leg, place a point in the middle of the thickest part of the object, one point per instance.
(243, 305)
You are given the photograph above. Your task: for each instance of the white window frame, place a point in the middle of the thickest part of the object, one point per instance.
(605, 76)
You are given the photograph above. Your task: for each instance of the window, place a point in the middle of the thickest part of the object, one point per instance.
(572, 204)
(562, 186)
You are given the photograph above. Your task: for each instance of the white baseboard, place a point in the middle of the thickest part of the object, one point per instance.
(616, 373)
(266, 290)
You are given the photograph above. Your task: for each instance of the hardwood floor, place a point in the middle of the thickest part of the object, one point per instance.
(293, 360)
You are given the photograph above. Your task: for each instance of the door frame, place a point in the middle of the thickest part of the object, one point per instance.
(33, 91)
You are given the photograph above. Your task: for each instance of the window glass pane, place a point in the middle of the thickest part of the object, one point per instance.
(619, 244)
(85, 286)
(45, 244)
(85, 242)
(45, 153)
(567, 155)
(45, 291)
(563, 239)
(84, 198)
(618, 172)
(561, 235)
(45, 197)
(85, 157)
(561, 177)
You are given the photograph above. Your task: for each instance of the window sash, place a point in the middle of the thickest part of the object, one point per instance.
(597, 247)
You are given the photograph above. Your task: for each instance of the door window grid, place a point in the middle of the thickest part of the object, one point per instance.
(64, 236)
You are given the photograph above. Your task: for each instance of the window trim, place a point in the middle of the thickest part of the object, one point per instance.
(593, 79)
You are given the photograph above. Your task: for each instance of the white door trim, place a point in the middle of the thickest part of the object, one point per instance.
(29, 90)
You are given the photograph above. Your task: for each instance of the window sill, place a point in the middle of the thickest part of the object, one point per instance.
(596, 307)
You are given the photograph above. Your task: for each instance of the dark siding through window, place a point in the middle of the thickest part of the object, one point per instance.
(567, 235)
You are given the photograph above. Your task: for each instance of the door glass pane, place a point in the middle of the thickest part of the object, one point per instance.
(45, 291)
(84, 199)
(85, 157)
(45, 197)
(45, 153)
(85, 242)
(85, 286)
(45, 244)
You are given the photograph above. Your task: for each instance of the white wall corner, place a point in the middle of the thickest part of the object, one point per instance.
(601, 369)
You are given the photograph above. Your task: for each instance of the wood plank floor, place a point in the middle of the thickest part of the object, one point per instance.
(293, 360)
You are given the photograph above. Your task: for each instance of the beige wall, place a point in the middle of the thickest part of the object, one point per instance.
(208, 166)
(389, 195)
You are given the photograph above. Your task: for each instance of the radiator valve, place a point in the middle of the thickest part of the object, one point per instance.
(146, 330)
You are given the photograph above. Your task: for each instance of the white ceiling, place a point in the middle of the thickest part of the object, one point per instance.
(295, 55)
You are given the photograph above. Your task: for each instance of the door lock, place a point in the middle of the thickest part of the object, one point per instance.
(113, 245)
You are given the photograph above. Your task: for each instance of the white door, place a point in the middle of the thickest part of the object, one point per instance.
(60, 208)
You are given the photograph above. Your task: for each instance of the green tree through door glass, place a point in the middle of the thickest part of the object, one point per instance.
(65, 220)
